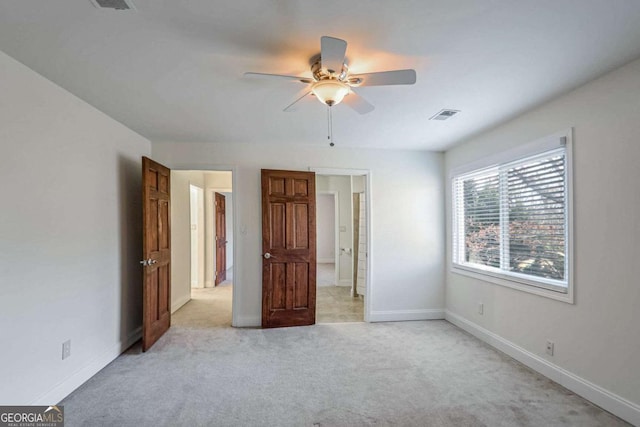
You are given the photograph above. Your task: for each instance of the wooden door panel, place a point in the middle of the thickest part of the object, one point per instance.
(288, 236)
(163, 238)
(163, 289)
(152, 231)
(278, 229)
(153, 297)
(300, 285)
(156, 248)
(301, 187)
(300, 226)
(278, 286)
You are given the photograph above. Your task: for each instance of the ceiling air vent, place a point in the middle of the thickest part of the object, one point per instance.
(113, 4)
(444, 114)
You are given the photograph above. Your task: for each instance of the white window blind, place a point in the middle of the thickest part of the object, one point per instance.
(511, 220)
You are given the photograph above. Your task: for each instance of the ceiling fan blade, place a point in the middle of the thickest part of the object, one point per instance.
(292, 107)
(332, 52)
(358, 103)
(278, 76)
(397, 77)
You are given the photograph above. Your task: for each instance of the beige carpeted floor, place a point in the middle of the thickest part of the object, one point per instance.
(427, 373)
(203, 372)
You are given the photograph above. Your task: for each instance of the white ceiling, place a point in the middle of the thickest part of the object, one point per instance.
(172, 70)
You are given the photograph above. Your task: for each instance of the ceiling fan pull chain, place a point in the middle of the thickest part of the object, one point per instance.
(330, 126)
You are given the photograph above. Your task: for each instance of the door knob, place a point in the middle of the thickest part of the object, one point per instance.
(267, 255)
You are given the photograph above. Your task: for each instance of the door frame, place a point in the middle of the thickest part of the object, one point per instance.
(234, 217)
(368, 297)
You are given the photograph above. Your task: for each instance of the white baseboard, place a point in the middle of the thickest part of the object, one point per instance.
(345, 282)
(209, 284)
(403, 315)
(63, 389)
(181, 301)
(248, 322)
(325, 260)
(607, 400)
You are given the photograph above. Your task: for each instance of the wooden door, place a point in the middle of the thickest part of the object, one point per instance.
(221, 239)
(288, 248)
(156, 252)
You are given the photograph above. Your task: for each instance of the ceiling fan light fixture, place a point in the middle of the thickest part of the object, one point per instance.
(330, 91)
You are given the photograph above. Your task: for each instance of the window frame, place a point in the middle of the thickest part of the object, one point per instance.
(540, 286)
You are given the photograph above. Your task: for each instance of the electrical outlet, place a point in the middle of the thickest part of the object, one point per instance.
(66, 349)
(550, 348)
(480, 308)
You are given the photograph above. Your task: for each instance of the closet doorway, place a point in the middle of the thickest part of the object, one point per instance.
(342, 246)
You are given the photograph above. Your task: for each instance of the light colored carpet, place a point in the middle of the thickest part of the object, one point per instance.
(427, 373)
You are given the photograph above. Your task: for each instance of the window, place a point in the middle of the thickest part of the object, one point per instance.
(511, 218)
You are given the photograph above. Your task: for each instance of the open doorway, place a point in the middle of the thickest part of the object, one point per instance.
(342, 247)
(202, 225)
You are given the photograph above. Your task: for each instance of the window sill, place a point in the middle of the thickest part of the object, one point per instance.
(547, 293)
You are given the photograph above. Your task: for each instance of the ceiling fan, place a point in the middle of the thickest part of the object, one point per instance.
(332, 83)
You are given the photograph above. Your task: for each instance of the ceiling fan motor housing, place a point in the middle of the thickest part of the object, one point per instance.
(320, 73)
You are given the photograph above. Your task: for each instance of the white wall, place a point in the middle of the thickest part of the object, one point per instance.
(70, 237)
(326, 228)
(407, 196)
(598, 338)
(197, 236)
(358, 184)
(181, 235)
(341, 184)
(220, 181)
